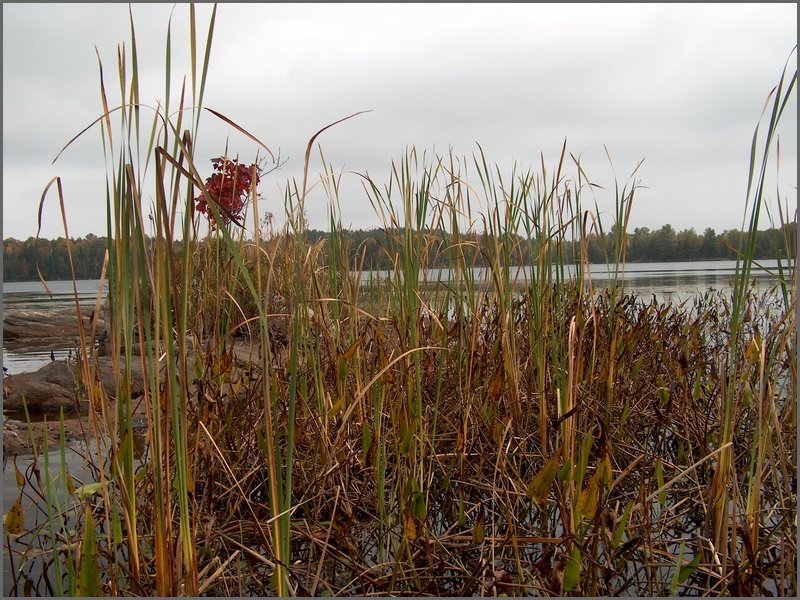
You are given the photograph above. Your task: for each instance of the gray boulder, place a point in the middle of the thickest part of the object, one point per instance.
(56, 386)
(44, 328)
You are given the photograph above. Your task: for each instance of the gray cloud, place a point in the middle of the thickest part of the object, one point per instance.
(679, 85)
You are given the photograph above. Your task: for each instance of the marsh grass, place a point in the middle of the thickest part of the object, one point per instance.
(311, 429)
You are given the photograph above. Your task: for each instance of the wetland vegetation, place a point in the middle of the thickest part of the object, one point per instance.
(308, 435)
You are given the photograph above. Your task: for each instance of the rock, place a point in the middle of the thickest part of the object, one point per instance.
(41, 328)
(28, 329)
(278, 321)
(55, 386)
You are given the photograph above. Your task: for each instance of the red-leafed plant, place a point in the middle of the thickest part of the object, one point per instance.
(228, 188)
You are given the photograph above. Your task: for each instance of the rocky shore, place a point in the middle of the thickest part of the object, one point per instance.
(57, 385)
(31, 326)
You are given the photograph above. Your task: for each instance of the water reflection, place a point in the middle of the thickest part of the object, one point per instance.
(34, 518)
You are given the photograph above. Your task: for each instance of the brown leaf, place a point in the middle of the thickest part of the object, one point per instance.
(557, 577)
(607, 521)
(453, 331)
(495, 386)
(603, 447)
(15, 518)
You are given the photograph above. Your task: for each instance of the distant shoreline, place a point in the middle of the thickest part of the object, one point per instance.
(372, 248)
(788, 261)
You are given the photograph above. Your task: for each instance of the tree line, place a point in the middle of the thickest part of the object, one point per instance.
(21, 257)
(375, 248)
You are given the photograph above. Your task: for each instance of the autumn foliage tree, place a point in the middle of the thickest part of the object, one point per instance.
(228, 189)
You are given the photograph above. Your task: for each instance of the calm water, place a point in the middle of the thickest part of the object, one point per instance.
(21, 296)
(662, 278)
(31, 296)
(674, 281)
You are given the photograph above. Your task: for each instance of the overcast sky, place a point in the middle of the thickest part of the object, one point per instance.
(680, 86)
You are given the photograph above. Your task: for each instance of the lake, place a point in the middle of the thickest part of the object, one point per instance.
(31, 295)
(673, 281)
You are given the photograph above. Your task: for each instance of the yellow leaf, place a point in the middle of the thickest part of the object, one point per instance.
(540, 486)
(20, 478)
(587, 501)
(15, 518)
(337, 407)
(604, 471)
(410, 526)
(478, 532)
(70, 483)
(89, 489)
(753, 350)
(347, 355)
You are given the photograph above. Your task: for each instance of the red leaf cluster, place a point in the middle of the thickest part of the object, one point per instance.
(228, 188)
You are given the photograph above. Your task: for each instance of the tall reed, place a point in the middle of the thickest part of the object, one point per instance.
(736, 372)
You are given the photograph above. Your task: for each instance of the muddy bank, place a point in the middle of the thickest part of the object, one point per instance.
(17, 434)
